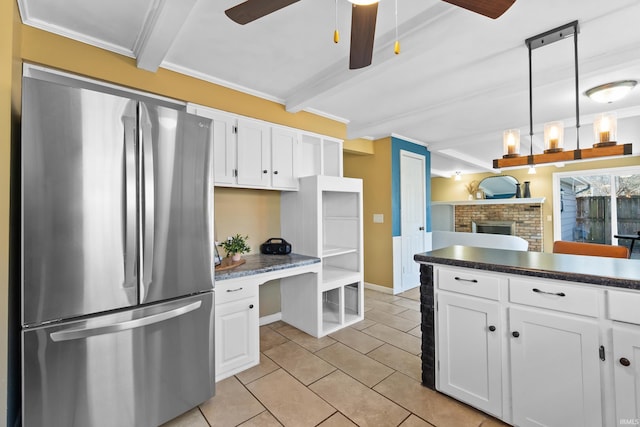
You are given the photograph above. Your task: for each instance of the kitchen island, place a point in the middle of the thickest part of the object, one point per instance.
(533, 338)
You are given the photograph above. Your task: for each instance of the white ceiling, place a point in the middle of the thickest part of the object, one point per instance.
(459, 82)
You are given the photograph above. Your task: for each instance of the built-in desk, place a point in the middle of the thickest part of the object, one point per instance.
(263, 268)
(237, 307)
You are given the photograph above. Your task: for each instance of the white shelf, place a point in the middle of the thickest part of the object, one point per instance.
(512, 201)
(335, 251)
(325, 218)
(334, 277)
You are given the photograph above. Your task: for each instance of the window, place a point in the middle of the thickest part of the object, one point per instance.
(595, 206)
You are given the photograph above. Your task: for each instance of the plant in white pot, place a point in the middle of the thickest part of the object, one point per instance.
(235, 246)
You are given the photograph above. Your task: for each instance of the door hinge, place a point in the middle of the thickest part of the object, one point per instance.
(601, 352)
(436, 305)
(438, 365)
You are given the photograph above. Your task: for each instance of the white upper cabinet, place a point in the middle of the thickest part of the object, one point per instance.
(284, 162)
(224, 149)
(251, 153)
(254, 153)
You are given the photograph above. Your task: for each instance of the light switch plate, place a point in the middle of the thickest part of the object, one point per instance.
(378, 218)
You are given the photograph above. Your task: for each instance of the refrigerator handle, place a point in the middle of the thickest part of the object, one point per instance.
(208, 197)
(130, 202)
(148, 192)
(81, 333)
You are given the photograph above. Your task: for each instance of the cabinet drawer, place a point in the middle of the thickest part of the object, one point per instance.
(227, 292)
(623, 306)
(554, 296)
(469, 282)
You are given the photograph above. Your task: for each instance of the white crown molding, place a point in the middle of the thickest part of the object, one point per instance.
(83, 38)
(220, 82)
(412, 140)
(327, 115)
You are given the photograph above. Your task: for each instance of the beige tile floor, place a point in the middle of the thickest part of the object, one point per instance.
(365, 375)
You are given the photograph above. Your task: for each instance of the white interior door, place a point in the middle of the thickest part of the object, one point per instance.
(413, 214)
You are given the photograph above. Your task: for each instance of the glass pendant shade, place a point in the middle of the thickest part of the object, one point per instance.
(605, 129)
(553, 137)
(511, 143)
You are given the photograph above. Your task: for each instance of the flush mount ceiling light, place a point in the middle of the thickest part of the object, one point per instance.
(554, 151)
(611, 92)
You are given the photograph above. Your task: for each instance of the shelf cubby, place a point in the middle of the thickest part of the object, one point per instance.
(324, 219)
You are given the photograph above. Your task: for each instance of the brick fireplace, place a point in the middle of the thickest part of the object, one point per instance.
(525, 217)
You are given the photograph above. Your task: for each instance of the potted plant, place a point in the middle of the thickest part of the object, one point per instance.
(235, 246)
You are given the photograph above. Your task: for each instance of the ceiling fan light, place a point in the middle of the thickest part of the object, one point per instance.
(611, 92)
(363, 2)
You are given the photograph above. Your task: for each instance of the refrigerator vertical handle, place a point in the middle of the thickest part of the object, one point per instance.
(130, 201)
(148, 194)
(208, 196)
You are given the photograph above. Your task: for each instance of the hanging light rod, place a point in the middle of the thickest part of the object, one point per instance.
(554, 152)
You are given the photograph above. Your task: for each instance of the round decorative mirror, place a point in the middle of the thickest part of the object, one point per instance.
(498, 187)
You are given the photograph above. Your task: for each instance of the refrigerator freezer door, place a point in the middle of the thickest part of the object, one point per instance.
(177, 200)
(141, 367)
(78, 202)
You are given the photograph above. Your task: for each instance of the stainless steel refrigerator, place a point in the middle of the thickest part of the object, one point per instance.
(117, 259)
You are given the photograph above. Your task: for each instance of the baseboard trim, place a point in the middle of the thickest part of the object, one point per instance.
(383, 289)
(265, 320)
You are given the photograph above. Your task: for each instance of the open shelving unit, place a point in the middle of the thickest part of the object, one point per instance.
(324, 219)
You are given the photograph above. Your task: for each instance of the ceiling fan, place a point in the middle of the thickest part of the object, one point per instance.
(363, 20)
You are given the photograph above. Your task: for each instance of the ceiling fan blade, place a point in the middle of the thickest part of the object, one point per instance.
(490, 8)
(251, 10)
(363, 30)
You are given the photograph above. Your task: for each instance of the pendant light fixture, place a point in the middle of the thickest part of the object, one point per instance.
(554, 131)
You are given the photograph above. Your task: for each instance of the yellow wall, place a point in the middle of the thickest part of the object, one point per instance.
(255, 213)
(446, 189)
(375, 170)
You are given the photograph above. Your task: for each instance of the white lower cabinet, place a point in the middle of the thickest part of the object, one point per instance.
(469, 350)
(555, 369)
(236, 329)
(528, 350)
(626, 368)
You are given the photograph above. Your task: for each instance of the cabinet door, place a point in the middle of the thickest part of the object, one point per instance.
(224, 143)
(253, 153)
(284, 150)
(237, 336)
(469, 351)
(626, 352)
(555, 369)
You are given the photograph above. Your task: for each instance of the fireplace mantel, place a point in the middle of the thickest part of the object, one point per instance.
(512, 201)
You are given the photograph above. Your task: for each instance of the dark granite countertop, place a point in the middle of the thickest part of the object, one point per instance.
(616, 272)
(259, 263)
